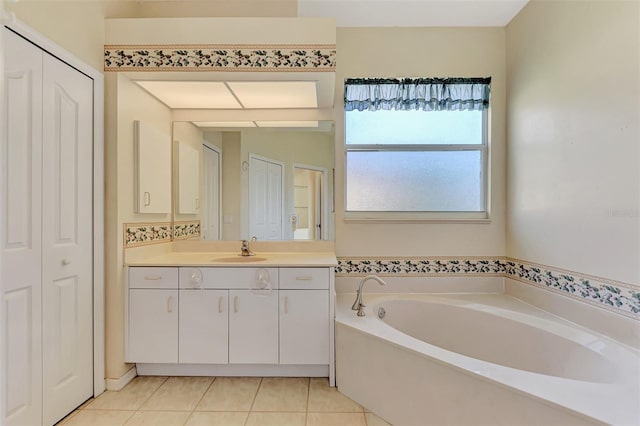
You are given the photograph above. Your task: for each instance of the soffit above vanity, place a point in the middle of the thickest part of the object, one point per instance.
(257, 52)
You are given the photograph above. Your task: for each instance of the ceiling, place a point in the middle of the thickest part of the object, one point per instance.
(351, 13)
(413, 13)
(262, 90)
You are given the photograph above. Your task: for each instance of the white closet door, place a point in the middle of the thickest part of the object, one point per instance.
(67, 279)
(21, 246)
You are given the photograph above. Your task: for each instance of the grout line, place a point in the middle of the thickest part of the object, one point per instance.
(203, 394)
(133, 413)
(152, 393)
(306, 413)
(254, 401)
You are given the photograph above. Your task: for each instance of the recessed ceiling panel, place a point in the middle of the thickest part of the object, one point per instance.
(191, 94)
(275, 94)
(287, 123)
(224, 123)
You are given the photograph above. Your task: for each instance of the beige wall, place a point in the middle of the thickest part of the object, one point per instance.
(125, 102)
(78, 26)
(573, 166)
(424, 52)
(231, 172)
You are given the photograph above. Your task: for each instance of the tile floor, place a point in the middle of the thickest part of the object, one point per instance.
(223, 401)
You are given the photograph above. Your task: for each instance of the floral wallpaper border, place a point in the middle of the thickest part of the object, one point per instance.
(615, 296)
(186, 230)
(142, 234)
(261, 58)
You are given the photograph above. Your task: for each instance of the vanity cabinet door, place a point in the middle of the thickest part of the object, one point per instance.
(153, 326)
(304, 327)
(204, 322)
(253, 327)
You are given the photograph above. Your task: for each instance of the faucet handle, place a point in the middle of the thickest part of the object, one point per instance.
(245, 250)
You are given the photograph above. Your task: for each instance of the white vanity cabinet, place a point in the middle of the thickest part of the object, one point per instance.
(304, 316)
(229, 320)
(152, 315)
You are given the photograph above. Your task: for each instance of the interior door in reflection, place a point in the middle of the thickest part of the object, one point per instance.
(211, 193)
(265, 198)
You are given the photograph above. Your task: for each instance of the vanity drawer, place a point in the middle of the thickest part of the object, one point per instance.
(229, 278)
(152, 277)
(304, 278)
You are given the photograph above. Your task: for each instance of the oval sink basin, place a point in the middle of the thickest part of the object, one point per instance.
(239, 259)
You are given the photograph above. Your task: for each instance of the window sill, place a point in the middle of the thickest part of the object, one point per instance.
(417, 217)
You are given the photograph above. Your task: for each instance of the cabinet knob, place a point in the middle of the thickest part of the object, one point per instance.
(65, 262)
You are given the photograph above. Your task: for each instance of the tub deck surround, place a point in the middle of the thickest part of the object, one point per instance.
(614, 296)
(606, 390)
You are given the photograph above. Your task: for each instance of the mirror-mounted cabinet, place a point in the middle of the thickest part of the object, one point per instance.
(152, 161)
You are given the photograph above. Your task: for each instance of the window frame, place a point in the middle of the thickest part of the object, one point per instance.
(424, 216)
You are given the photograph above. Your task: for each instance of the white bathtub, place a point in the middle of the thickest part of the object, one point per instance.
(481, 359)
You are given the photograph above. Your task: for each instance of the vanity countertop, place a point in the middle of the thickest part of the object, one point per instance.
(227, 259)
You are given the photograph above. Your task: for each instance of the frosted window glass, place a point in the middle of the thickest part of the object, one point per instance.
(414, 181)
(413, 127)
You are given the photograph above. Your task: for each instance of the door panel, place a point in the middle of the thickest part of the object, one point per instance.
(211, 213)
(265, 199)
(20, 403)
(21, 206)
(153, 326)
(304, 327)
(253, 327)
(274, 221)
(203, 327)
(258, 187)
(67, 279)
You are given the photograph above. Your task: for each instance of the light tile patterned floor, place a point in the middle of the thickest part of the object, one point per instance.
(223, 401)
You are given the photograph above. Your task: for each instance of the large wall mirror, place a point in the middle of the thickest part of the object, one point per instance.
(272, 180)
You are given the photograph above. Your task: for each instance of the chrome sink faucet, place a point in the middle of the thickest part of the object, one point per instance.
(358, 305)
(245, 250)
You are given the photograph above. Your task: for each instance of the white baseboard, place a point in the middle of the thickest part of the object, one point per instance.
(117, 384)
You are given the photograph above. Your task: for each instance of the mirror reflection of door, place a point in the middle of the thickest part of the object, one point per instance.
(266, 182)
(211, 192)
(308, 203)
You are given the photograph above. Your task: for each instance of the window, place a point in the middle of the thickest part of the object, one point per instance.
(416, 149)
